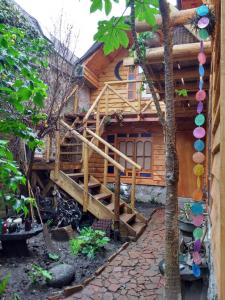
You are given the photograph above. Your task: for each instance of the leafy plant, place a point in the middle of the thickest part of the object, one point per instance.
(89, 242)
(3, 284)
(182, 92)
(37, 273)
(53, 256)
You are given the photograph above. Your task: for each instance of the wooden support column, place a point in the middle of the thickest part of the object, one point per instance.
(117, 205)
(107, 102)
(57, 154)
(98, 120)
(133, 186)
(48, 145)
(105, 178)
(75, 107)
(85, 166)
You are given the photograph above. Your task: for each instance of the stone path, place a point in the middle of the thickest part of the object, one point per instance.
(134, 273)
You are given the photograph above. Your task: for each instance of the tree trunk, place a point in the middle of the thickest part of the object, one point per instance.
(172, 274)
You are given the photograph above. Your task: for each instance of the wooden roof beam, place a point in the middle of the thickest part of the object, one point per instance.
(181, 52)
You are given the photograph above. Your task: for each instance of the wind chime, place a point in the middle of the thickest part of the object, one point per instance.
(203, 23)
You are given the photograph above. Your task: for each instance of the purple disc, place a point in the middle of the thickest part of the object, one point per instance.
(203, 22)
(199, 107)
(197, 245)
(199, 132)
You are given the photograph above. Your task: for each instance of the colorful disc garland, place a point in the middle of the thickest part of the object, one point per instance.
(203, 17)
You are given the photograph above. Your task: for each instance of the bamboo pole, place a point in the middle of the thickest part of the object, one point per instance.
(105, 176)
(114, 149)
(122, 98)
(85, 164)
(133, 185)
(94, 104)
(93, 147)
(57, 154)
(117, 205)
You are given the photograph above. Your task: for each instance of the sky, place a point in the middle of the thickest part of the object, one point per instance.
(75, 13)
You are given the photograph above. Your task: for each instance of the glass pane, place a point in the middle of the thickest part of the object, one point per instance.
(130, 94)
(123, 147)
(110, 169)
(140, 148)
(122, 162)
(147, 165)
(147, 148)
(140, 161)
(111, 138)
(129, 148)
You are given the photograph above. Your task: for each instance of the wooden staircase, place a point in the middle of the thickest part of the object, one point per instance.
(101, 202)
(81, 136)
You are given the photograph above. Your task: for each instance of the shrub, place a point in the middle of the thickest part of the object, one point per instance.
(89, 242)
(37, 273)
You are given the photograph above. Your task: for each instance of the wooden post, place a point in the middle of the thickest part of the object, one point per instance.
(75, 108)
(85, 166)
(57, 154)
(132, 196)
(107, 102)
(105, 178)
(117, 205)
(98, 120)
(139, 103)
(48, 145)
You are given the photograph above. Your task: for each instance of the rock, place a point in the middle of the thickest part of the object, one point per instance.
(62, 275)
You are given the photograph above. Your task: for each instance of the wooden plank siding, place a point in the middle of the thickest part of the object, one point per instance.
(184, 148)
(217, 149)
(115, 103)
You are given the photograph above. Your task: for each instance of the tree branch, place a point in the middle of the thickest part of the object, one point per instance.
(143, 65)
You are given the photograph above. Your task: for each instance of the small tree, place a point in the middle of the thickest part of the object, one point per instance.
(113, 33)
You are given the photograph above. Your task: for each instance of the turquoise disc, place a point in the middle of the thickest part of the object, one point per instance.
(199, 120)
(202, 10)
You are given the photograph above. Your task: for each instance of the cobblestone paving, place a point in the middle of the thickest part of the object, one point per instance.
(133, 274)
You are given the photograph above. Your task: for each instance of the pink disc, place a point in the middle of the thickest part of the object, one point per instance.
(196, 258)
(198, 157)
(200, 95)
(203, 22)
(202, 58)
(199, 132)
(197, 220)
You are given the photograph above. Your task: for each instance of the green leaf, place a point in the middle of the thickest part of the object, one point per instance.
(108, 7)
(24, 93)
(96, 5)
(149, 17)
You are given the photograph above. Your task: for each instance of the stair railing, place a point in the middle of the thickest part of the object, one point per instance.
(121, 155)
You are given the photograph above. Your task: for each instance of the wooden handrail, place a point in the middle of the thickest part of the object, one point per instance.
(122, 98)
(122, 155)
(94, 104)
(93, 147)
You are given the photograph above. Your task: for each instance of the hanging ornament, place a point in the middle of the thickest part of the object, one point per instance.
(198, 220)
(199, 132)
(199, 145)
(197, 245)
(198, 157)
(197, 209)
(196, 270)
(197, 195)
(202, 10)
(200, 95)
(198, 233)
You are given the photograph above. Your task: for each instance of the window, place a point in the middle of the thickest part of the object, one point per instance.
(132, 85)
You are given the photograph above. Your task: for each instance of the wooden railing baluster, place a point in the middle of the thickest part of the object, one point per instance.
(117, 205)
(57, 154)
(85, 167)
(132, 196)
(105, 176)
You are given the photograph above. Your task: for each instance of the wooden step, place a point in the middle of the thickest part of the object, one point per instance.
(92, 185)
(72, 144)
(138, 227)
(75, 175)
(111, 206)
(70, 153)
(126, 218)
(102, 196)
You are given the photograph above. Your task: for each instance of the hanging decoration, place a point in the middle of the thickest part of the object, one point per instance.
(203, 22)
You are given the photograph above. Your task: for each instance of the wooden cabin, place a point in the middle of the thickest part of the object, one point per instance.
(113, 134)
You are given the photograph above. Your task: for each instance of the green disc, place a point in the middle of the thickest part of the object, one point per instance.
(203, 33)
(199, 120)
(198, 232)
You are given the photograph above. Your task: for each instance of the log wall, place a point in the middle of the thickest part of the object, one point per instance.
(217, 149)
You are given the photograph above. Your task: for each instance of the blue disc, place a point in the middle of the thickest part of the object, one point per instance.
(201, 83)
(199, 145)
(196, 270)
(202, 10)
(201, 70)
(197, 209)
